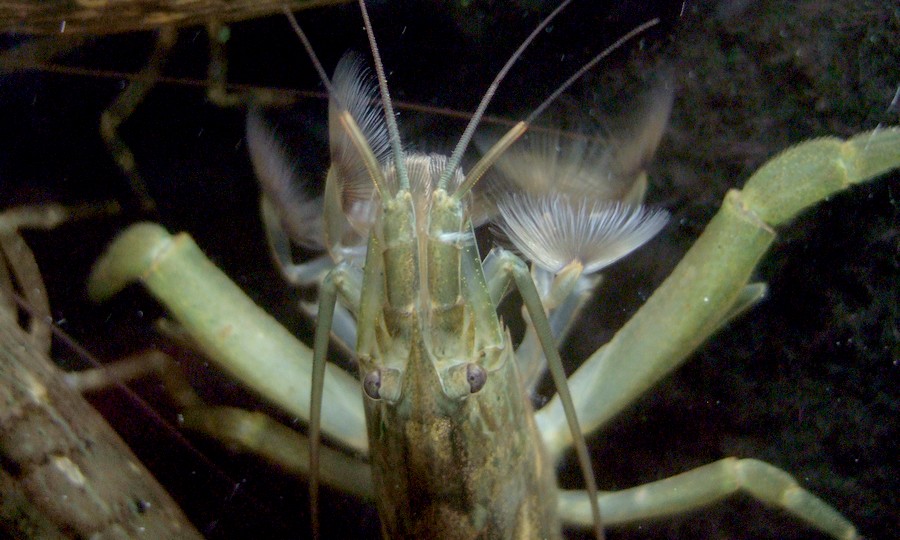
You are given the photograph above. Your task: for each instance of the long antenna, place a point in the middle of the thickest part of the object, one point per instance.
(315, 403)
(585, 68)
(312, 54)
(356, 136)
(393, 131)
(466, 138)
(521, 127)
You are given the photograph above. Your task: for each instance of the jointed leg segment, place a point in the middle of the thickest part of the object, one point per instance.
(705, 485)
(124, 106)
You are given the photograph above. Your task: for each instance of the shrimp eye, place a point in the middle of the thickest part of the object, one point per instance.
(476, 376)
(372, 384)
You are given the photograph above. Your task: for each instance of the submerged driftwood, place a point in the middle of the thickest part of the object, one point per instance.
(48, 17)
(64, 473)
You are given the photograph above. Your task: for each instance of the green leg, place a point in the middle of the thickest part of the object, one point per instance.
(252, 432)
(514, 268)
(259, 434)
(229, 328)
(563, 315)
(327, 301)
(705, 485)
(562, 297)
(710, 283)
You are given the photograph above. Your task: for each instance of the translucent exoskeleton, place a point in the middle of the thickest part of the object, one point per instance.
(441, 383)
(452, 435)
(602, 376)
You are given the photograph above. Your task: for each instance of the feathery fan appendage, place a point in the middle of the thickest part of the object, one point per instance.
(356, 93)
(553, 161)
(553, 230)
(282, 185)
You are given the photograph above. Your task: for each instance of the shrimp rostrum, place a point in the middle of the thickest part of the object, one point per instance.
(452, 446)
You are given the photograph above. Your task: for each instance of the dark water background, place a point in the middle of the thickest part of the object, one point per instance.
(807, 380)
